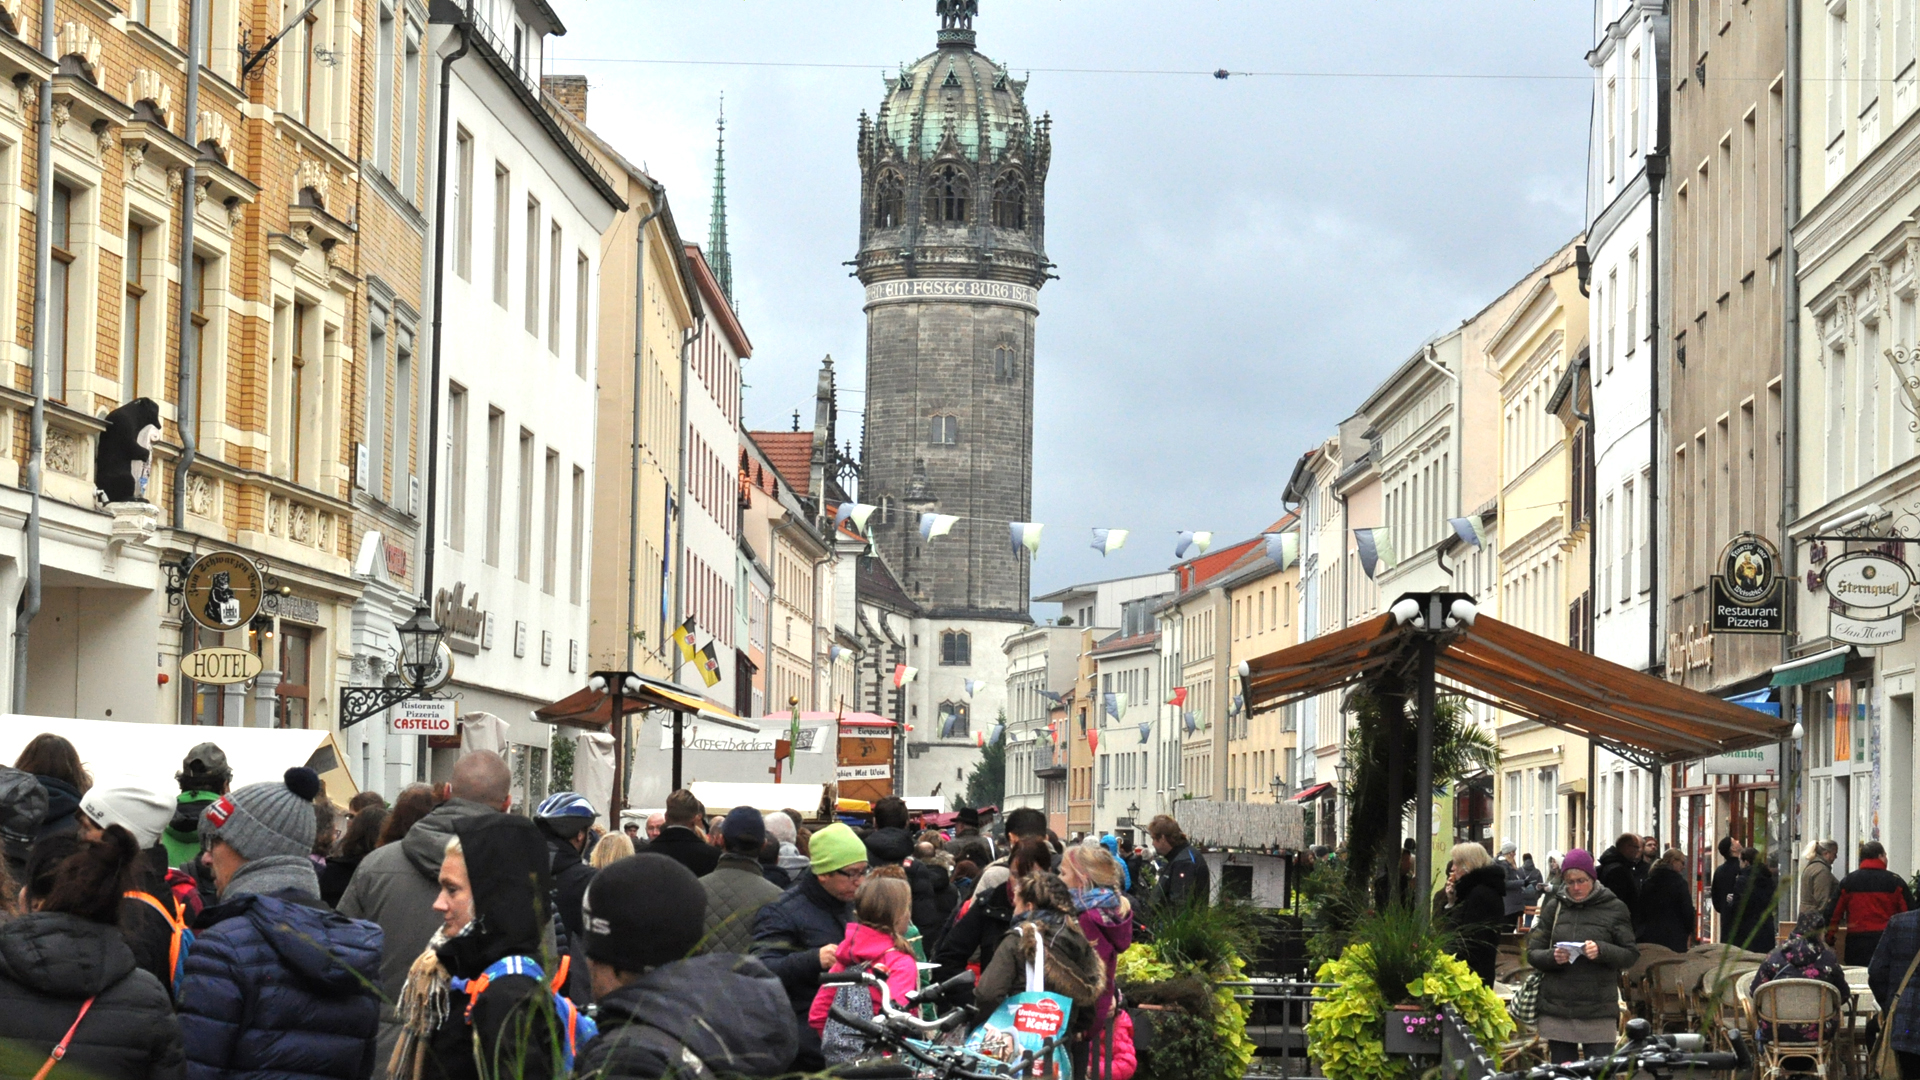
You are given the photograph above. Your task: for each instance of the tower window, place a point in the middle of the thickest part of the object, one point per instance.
(947, 191)
(1005, 367)
(944, 431)
(956, 647)
(889, 199)
(1010, 201)
(953, 720)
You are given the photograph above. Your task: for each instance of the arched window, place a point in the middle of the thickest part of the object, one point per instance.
(1010, 201)
(889, 198)
(956, 647)
(947, 191)
(944, 431)
(953, 720)
(1006, 364)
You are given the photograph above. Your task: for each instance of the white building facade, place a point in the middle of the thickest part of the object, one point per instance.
(526, 209)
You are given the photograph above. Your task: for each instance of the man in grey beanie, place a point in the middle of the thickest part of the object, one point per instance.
(274, 975)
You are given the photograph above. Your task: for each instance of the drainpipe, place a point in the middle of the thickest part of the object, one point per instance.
(37, 437)
(1790, 387)
(639, 353)
(186, 406)
(431, 537)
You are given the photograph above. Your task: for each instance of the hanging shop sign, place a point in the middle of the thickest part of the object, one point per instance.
(1871, 592)
(862, 772)
(219, 666)
(440, 673)
(1761, 760)
(1749, 595)
(423, 716)
(222, 591)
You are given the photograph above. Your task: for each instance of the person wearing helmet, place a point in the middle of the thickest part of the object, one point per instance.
(565, 817)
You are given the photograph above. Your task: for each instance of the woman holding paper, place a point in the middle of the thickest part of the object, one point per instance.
(1580, 944)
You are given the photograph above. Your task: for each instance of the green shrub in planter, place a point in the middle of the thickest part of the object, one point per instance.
(1344, 1035)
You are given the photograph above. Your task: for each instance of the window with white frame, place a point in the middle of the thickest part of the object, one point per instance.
(463, 204)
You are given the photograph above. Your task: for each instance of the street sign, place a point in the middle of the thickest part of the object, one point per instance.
(223, 591)
(1749, 595)
(424, 716)
(219, 666)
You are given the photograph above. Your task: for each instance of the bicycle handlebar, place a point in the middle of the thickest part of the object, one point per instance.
(1655, 1061)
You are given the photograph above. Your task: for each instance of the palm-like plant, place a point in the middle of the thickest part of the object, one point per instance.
(1460, 749)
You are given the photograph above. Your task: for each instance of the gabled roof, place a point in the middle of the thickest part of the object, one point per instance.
(717, 305)
(790, 453)
(874, 580)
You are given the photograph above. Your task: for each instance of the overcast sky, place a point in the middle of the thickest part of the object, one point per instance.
(1240, 261)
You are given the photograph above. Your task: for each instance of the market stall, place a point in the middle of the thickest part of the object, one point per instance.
(151, 753)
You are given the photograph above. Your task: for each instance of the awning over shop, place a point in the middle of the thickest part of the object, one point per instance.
(1314, 792)
(1812, 668)
(1501, 665)
(1758, 701)
(590, 708)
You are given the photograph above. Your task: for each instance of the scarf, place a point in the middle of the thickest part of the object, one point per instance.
(274, 874)
(424, 999)
(1096, 897)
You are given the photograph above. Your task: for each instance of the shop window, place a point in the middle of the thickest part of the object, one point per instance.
(296, 672)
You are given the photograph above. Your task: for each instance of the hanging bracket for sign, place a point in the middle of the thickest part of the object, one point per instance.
(357, 703)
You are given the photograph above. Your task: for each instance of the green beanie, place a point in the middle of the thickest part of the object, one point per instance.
(836, 848)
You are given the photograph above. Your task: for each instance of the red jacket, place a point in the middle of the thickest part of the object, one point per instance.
(1869, 897)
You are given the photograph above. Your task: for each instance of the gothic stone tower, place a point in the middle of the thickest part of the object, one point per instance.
(952, 194)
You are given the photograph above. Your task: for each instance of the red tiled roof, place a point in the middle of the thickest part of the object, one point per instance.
(1121, 644)
(1194, 572)
(791, 453)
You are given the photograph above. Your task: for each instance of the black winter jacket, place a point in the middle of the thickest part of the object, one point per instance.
(280, 987)
(1726, 895)
(1666, 915)
(1617, 875)
(787, 936)
(1585, 989)
(1184, 878)
(727, 1011)
(49, 964)
(974, 933)
(684, 846)
(1479, 915)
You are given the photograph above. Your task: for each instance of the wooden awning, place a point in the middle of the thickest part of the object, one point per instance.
(590, 708)
(1634, 714)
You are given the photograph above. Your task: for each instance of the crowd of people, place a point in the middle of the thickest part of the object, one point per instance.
(263, 931)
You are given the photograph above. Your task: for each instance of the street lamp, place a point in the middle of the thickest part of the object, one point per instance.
(420, 639)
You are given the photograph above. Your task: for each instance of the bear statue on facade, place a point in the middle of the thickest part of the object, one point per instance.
(125, 451)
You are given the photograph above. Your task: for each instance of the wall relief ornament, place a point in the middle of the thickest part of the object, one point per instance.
(75, 40)
(147, 85)
(300, 525)
(136, 156)
(65, 453)
(216, 129)
(200, 495)
(311, 173)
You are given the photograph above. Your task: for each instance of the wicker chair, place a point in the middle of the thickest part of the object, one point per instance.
(1667, 1000)
(1807, 1003)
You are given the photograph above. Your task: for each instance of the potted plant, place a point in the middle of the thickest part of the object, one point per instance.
(1387, 984)
(1199, 1027)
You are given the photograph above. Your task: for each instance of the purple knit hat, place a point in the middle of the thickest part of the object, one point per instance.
(1578, 859)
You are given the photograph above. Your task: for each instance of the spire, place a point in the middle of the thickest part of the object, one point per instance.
(717, 257)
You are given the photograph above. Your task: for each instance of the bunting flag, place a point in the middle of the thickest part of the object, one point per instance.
(994, 735)
(858, 513)
(709, 664)
(1179, 697)
(1117, 706)
(974, 686)
(1051, 696)
(793, 740)
(834, 652)
(1189, 721)
(1026, 534)
(932, 525)
(1239, 702)
(1197, 541)
(683, 637)
(1469, 530)
(1375, 547)
(1284, 548)
(948, 723)
(1146, 728)
(979, 739)
(1108, 541)
(1093, 741)
(902, 674)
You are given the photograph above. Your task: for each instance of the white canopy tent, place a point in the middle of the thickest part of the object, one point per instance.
(151, 753)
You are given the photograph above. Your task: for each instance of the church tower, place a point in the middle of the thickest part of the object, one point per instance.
(952, 222)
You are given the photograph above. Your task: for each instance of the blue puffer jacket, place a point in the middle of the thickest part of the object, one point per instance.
(280, 987)
(787, 936)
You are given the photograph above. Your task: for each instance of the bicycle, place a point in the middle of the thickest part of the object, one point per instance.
(903, 1042)
(1660, 1056)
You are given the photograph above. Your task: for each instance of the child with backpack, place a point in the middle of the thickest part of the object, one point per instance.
(882, 917)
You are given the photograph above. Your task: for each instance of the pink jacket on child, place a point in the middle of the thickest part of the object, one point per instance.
(863, 944)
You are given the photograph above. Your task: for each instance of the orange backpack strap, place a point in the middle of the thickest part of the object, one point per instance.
(176, 920)
(60, 1051)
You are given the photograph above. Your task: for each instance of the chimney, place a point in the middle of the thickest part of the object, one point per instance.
(570, 91)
